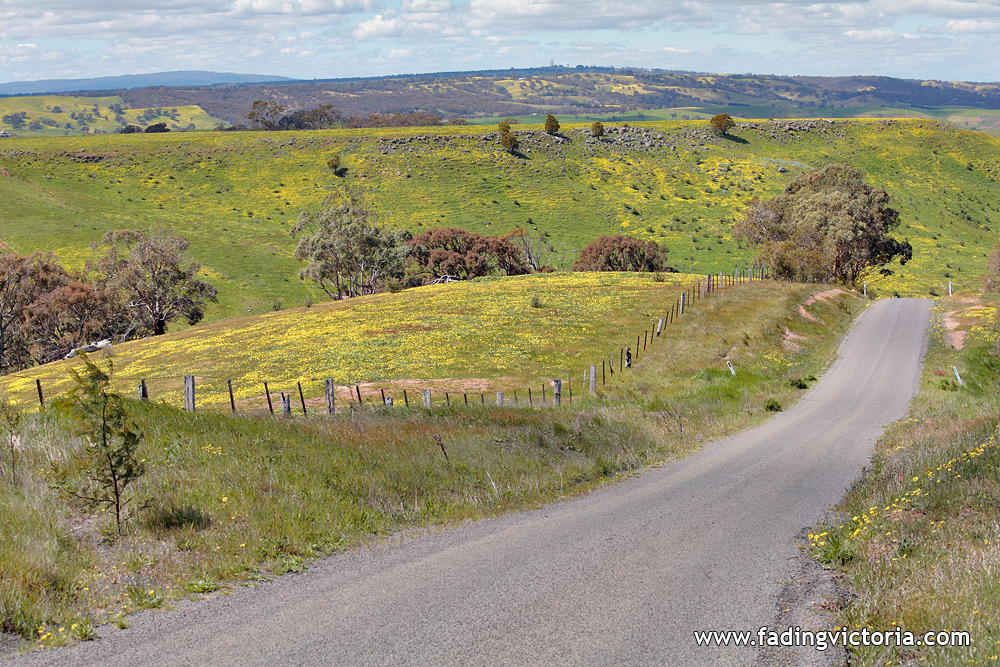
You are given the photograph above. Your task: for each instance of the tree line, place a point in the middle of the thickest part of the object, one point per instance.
(274, 116)
(348, 252)
(134, 285)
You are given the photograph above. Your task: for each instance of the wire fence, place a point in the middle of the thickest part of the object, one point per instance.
(290, 398)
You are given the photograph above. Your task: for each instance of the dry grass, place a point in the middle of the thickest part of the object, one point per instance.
(233, 499)
(922, 544)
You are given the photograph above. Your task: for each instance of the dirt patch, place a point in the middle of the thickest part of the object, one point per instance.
(824, 296)
(807, 315)
(410, 328)
(806, 601)
(953, 336)
(789, 340)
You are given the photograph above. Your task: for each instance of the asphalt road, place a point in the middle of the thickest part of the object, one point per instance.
(622, 576)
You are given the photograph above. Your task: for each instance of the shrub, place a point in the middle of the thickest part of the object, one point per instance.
(772, 405)
(622, 253)
(109, 462)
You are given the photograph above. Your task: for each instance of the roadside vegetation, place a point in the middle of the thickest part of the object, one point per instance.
(919, 534)
(226, 500)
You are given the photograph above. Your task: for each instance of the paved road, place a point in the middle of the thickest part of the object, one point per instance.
(620, 577)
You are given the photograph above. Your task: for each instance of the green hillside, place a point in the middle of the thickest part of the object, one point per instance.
(53, 115)
(236, 195)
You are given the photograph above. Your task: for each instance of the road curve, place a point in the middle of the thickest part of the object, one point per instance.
(622, 576)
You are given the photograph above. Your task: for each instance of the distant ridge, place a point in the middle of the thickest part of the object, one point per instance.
(129, 81)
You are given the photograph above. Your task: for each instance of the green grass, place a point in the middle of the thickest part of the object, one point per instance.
(58, 115)
(235, 499)
(476, 336)
(236, 195)
(920, 539)
(981, 120)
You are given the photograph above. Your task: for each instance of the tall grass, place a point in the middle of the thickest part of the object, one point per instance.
(920, 541)
(230, 499)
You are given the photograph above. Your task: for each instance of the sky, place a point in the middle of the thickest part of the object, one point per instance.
(953, 40)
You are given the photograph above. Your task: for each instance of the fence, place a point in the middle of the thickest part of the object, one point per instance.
(288, 400)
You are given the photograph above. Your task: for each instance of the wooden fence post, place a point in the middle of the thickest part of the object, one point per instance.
(659, 327)
(482, 398)
(543, 394)
(38, 385)
(143, 392)
(331, 407)
(556, 392)
(499, 399)
(529, 398)
(447, 398)
(593, 379)
(232, 401)
(267, 392)
(515, 399)
(427, 398)
(388, 401)
(188, 392)
(383, 395)
(286, 404)
(465, 397)
(302, 399)
(357, 388)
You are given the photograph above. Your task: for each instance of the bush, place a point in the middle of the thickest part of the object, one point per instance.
(622, 253)
(771, 405)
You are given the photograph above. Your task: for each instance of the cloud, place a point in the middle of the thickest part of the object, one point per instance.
(920, 38)
(972, 26)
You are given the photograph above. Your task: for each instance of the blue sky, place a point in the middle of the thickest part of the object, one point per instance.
(920, 39)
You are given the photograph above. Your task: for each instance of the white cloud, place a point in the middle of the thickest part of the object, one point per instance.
(923, 38)
(972, 26)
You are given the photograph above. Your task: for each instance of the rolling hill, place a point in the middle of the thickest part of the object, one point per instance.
(236, 195)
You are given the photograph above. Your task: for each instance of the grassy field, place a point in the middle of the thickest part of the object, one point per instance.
(981, 120)
(231, 500)
(920, 538)
(236, 195)
(479, 335)
(55, 115)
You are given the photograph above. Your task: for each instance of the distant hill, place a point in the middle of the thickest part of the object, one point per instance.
(130, 81)
(580, 90)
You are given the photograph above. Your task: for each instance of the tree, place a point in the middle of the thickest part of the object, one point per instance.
(597, 129)
(156, 127)
(827, 225)
(509, 142)
(334, 163)
(504, 127)
(67, 318)
(15, 119)
(152, 277)
(721, 124)
(129, 129)
(265, 115)
(622, 253)
(348, 253)
(22, 281)
(449, 251)
(551, 124)
(109, 462)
